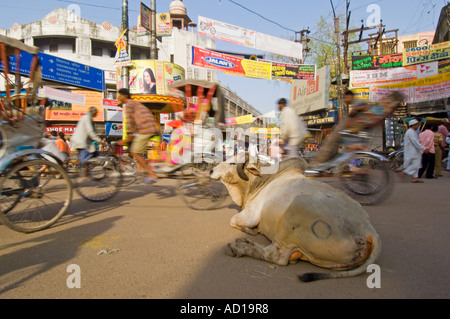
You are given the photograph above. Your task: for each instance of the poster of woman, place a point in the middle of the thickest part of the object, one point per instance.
(149, 83)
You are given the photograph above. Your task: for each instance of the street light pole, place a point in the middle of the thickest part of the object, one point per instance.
(125, 74)
(338, 68)
(153, 47)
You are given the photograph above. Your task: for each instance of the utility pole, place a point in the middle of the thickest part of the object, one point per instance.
(153, 46)
(345, 35)
(338, 67)
(125, 71)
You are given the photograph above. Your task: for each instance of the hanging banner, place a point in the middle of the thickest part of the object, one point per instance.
(312, 95)
(285, 71)
(374, 62)
(225, 32)
(426, 53)
(122, 56)
(231, 64)
(366, 78)
(265, 42)
(63, 96)
(230, 33)
(436, 79)
(378, 94)
(163, 25)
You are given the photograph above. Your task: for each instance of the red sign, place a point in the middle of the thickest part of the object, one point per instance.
(64, 129)
(217, 61)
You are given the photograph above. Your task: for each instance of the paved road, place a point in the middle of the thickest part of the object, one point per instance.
(166, 250)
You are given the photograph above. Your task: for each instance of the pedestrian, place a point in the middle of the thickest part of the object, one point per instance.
(412, 156)
(141, 127)
(426, 138)
(438, 139)
(62, 144)
(83, 137)
(447, 140)
(445, 133)
(292, 132)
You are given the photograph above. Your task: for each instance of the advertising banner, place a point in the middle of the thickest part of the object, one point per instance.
(421, 90)
(146, 17)
(377, 94)
(361, 93)
(153, 77)
(114, 129)
(321, 117)
(426, 53)
(436, 79)
(64, 96)
(67, 130)
(163, 25)
(230, 33)
(374, 62)
(225, 32)
(231, 64)
(72, 111)
(289, 72)
(311, 95)
(366, 78)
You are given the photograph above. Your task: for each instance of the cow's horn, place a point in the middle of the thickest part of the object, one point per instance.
(240, 171)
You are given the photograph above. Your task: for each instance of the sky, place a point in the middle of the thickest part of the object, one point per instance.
(278, 18)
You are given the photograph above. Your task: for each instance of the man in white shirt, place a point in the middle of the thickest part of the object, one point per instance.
(84, 135)
(293, 131)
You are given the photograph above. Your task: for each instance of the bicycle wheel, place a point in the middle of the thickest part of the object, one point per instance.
(102, 182)
(129, 171)
(32, 198)
(366, 179)
(397, 162)
(198, 190)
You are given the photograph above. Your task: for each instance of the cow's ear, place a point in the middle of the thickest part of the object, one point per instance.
(254, 169)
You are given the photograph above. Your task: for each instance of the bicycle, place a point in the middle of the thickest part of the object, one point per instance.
(363, 175)
(194, 185)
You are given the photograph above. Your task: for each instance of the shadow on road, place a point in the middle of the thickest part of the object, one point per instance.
(42, 253)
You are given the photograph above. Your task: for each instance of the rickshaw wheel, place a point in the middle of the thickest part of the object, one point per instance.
(32, 198)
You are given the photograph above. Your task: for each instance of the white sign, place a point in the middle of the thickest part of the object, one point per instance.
(427, 69)
(64, 96)
(225, 32)
(279, 46)
(249, 38)
(312, 95)
(359, 79)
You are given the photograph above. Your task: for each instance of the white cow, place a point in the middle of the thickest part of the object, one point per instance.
(305, 219)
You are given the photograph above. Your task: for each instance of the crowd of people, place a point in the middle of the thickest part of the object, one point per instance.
(424, 151)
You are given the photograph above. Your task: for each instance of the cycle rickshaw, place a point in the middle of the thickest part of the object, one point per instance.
(35, 188)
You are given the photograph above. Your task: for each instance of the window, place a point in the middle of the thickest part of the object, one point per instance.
(53, 47)
(97, 51)
(409, 44)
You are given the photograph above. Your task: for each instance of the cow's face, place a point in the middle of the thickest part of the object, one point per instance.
(237, 177)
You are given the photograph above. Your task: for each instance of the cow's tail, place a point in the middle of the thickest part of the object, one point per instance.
(375, 251)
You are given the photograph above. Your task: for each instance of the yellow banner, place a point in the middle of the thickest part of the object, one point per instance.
(435, 79)
(426, 53)
(246, 119)
(262, 130)
(361, 93)
(257, 69)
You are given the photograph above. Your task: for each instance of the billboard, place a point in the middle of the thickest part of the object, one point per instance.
(152, 77)
(234, 34)
(426, 53)
(231, 64)
(312, 95)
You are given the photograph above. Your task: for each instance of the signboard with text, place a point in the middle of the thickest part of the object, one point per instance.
(374, 62)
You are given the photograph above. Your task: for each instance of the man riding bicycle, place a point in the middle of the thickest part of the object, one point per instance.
(363, 116)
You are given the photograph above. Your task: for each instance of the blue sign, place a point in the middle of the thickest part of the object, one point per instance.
(61, 70)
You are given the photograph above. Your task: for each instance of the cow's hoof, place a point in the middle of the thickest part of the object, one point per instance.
(243, 240)
(228, 249)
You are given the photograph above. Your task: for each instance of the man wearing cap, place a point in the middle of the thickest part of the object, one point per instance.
(412, 158)
(292, 132)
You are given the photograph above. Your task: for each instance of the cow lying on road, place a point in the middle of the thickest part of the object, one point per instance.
(305, 219)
